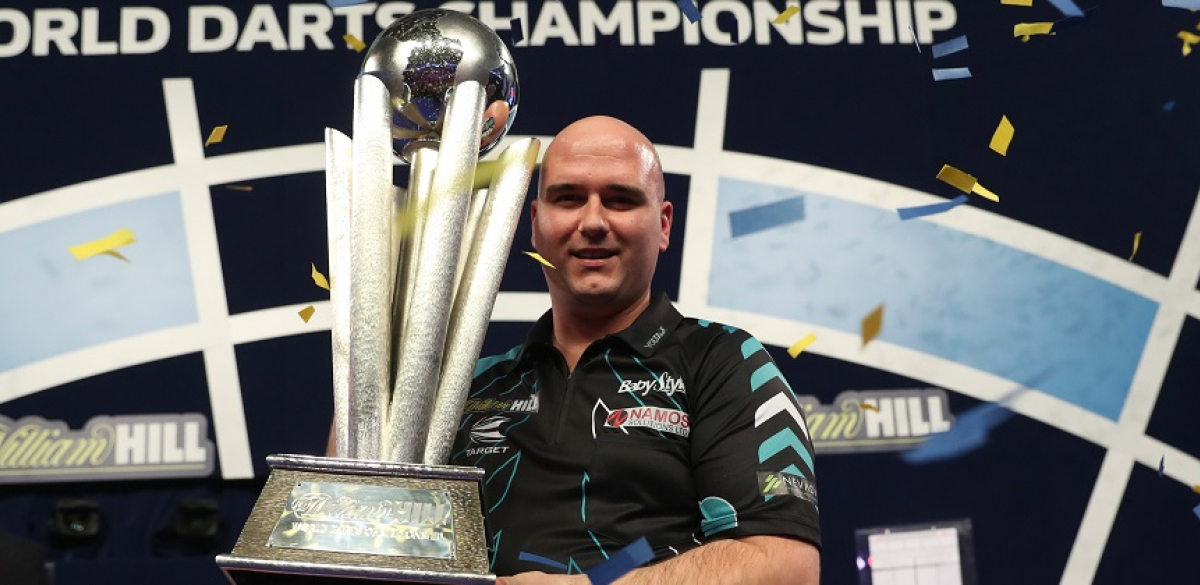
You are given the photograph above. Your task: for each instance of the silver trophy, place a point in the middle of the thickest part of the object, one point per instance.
(414, 275)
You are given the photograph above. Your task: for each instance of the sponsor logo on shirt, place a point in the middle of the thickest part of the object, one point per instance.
(652, 417)
(787, 484)
(657, 337)
(493, 405)
(487, 432)
(665, 383)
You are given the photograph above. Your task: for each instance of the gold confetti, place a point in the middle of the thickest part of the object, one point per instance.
(1017, 2)
(1196, 488)
(1002, 136)
(799, 346)
(871, 325)
(240, 187)
(1188, 39)
(105, 245)
(354, 43)
(868, 406)
(965, 182)
(319, 278)
(307, 312)
(1137, 241)
(217, 135)
(787, 14)
(539, 258)
(1026, 29)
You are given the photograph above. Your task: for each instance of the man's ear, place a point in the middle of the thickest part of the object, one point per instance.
(666, 216)
(532, 223)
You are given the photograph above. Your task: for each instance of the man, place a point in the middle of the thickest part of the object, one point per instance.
(618, 418)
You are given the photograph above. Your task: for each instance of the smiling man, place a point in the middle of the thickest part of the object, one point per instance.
(618, 418)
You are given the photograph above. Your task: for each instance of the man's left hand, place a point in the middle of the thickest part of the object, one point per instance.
(540, 578)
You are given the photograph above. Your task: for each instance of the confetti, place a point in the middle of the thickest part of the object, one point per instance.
(1160, 465)
(1069, 22)
(965, 182)
(943, 74)
(240, 187)
(1027, 29)
(319, 278)
(1196, 488)
(799, 346)
(516, 30)
(907, 213)
(1167, 107)
(689, 10)
(950, 47)
(871, 325)
(106, 245)
(524, 556)
(787, 14)
(1002, 136)
(217, 135)
(307, 312)
(1188, 39)
(1067, 7)
(868, 406)
(1196, 510)
(1137, 241)
(1017, 2)
(764, 217)
(539, 258)
(621, 562)
(914, 38)
(353, 42)
(1188, 4)
(341, 3)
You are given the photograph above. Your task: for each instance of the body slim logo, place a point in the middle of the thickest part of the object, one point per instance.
(665, 383)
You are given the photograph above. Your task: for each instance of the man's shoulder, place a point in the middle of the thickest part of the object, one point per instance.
(696, 334)
(500, 362)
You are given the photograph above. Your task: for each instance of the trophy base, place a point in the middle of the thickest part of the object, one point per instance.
(327, 520)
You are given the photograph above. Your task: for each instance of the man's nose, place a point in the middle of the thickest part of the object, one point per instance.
(592, 221)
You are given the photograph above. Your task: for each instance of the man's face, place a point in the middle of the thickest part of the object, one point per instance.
(600, 219)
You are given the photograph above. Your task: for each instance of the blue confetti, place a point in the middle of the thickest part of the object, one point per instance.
(923, 210)
(516, 30)
(951, 73)
(764, 217)
(1067, 7)
(524, 556)
(1196, 511)
(689, 10)
(341, 3)
(950, 47)
(1160, 465)
(621, 562)
(1069, 22)
(1169, 105)
(1188, 4)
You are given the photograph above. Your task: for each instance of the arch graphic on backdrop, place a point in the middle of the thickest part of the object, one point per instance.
(721, 182)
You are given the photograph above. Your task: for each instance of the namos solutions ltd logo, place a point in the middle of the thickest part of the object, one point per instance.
(660, 419)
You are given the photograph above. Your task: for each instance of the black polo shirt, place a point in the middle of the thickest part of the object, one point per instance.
(679, 430)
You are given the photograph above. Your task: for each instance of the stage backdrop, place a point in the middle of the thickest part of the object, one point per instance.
(1043, 331)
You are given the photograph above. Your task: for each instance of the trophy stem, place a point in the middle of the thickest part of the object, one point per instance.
(369, 274)
(477, 291)
(424, 335)
(407, 226)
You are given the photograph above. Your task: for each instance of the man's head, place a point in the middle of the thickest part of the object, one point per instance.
(600, 216)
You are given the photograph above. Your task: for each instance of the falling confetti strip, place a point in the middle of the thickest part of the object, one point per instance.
(1188, 39)
(1137, 241)
(541, 560)
(1017, 2)
(106, 245)
(621, 562)
(353, 42)
(1196, 488)
(907, 213)
(964, 182)
(764, 217)
(307, 312)
(340, 3)
(1161, 461)
(868, 406)
(1027, 29)
(914, 38)
(947, 73)
(950, 47)
(539, 258)
(801, 345)
(217, 135)
(319, 278)
(871, 325)
(240, 187)
(1002, 136)
(787, 14)
(1067, 7)
(689, 10)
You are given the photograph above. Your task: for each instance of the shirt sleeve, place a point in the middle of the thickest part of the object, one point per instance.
(752, 458)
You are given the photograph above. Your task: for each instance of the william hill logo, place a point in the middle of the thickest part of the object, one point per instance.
(876, 420)
(35, 450)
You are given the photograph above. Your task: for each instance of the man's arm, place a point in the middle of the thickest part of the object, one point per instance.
(749, 560)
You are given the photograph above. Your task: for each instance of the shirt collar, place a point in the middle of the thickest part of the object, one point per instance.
(644, 336)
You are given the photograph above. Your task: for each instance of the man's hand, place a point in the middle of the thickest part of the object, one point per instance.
(540, 578)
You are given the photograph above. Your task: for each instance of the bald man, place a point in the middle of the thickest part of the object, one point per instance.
(619, 418)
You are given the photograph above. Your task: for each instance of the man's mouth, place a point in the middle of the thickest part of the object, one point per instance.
(593, 254)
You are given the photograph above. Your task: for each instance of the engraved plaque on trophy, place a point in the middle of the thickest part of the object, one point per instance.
(414, 274)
